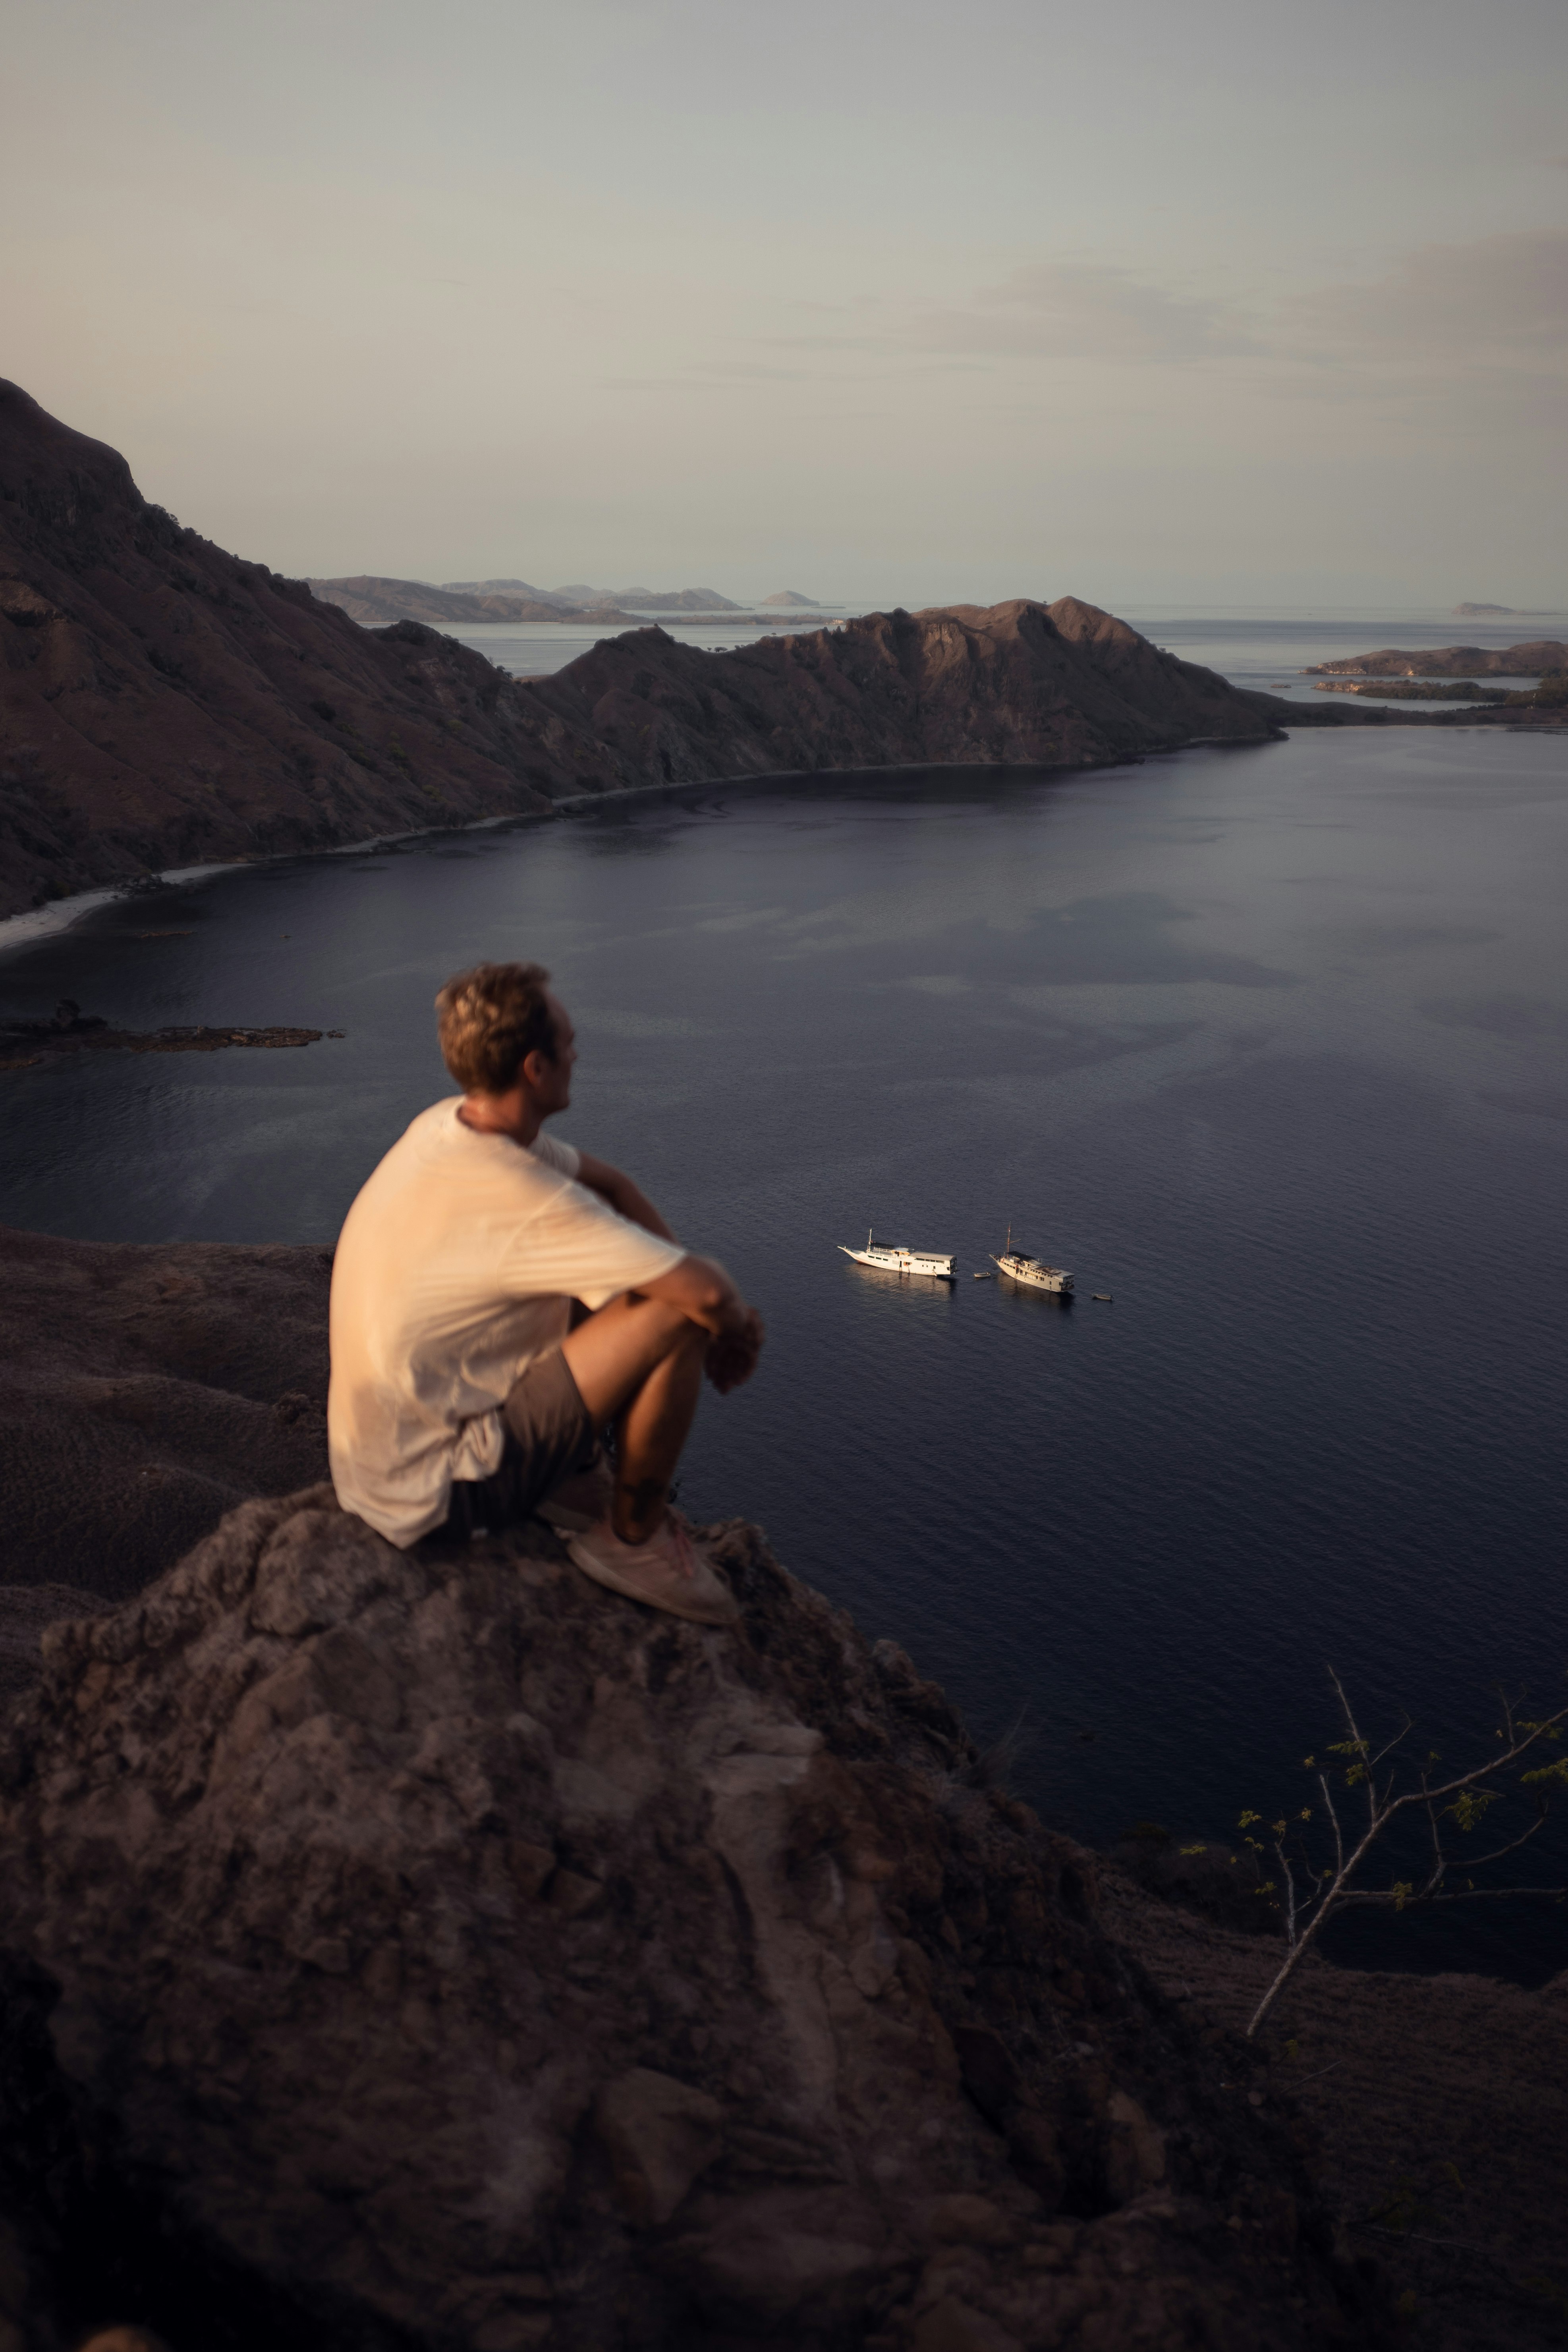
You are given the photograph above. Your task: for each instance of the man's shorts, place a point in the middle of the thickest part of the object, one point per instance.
(548, 1435)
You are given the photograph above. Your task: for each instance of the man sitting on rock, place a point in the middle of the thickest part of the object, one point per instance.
(462, 1399)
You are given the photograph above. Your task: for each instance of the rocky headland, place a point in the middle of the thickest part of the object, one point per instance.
(430, 1949)
(164, 703)
(1533, 658)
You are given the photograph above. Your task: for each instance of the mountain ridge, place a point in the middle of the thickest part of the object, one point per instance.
(165, 703)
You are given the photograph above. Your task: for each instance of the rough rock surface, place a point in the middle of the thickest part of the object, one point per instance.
(1438, 2101)
(431, 1950)
(162, 702)
(144, 1391)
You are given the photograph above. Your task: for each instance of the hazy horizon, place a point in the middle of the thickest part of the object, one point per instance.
(1206, 306)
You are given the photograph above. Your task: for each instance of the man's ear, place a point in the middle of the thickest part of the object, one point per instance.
(532, 1066)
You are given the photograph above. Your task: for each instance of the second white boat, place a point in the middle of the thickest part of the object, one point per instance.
(1032, 1272)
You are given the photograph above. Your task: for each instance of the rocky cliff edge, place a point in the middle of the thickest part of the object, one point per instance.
(431, 1950)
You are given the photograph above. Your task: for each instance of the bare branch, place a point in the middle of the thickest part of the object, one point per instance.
(1328, 1802)
(1333, 1891)
(1498, 1894)
(1438, 1860)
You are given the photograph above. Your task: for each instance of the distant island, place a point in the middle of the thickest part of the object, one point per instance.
(1533, 658)
(375, 602)
(1498, 612)
(579, 598)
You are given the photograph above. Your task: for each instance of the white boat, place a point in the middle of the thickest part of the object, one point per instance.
(1032, 1272)
(902, 1261)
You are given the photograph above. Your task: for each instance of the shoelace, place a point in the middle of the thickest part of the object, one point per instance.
(685, 1550)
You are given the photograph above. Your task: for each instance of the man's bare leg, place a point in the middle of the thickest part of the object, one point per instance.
(638, 1362)
(653, 1430)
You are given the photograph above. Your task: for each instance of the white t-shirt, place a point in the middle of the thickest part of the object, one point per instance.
(455, 1267)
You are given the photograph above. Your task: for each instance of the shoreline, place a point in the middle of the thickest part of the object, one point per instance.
(62, 914)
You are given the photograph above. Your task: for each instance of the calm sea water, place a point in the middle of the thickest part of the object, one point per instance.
(1268, 1043)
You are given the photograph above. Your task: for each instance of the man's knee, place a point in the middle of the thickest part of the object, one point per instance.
(615, 1351)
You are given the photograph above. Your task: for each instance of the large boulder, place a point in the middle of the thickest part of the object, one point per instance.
(430, 1949)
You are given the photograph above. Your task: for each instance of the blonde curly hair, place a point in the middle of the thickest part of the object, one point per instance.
(489, 1020)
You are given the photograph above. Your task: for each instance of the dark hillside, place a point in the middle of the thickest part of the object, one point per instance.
(162, 703)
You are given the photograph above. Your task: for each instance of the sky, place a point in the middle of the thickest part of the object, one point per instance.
(1179, 301)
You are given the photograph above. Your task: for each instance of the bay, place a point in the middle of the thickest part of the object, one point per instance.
(1267, 1042)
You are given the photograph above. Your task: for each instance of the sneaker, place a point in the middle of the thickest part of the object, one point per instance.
(669, 1572)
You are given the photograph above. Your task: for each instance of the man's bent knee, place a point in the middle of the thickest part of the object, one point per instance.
(612, 1354)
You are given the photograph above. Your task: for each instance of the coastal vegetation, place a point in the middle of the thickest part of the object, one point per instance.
(1319, 1854)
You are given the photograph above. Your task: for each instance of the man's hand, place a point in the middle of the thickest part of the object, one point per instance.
(704, 1292)
(732, 1353)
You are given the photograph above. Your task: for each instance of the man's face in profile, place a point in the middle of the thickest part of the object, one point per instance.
(552, 1083)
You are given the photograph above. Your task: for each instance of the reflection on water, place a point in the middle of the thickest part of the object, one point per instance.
(1052, 1302)
(891, 1277)
(1267, 1043)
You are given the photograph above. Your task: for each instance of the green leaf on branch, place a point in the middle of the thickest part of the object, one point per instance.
(1470, 1804)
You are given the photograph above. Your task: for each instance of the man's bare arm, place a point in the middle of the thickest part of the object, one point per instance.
(611, 1185)
(701, 1290)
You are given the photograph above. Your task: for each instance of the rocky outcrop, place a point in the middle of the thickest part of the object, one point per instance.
(1521, 661)
(1062, 684)
(164, 703)
(431, 1950)
(146, 1391)
(25, 1044)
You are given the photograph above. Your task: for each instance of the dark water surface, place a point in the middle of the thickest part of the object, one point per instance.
(1268, 1044)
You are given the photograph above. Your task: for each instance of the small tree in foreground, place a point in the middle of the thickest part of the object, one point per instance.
(1316, 1883)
